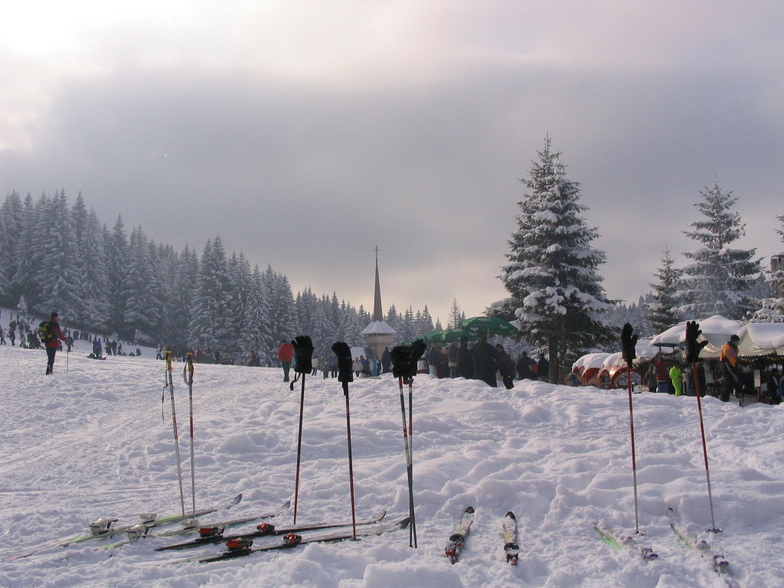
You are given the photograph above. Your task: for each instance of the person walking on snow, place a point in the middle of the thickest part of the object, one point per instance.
(285, 355)
(53, 343)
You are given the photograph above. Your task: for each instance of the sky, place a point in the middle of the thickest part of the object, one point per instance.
(307, 133)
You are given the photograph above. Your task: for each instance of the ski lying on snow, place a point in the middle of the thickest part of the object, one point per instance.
(103, 527)
(242, 547)
(509, 527)
(702, 547)
(214, 534)
(621, 542)
(454, 546)
(192, 526)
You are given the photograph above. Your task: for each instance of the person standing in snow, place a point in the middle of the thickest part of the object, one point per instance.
(53, 345)
(506, 366)
(386, 361)
(729, 359)
(285, 355)
(662, 376)
(452, 355)
(543, 369)
(485, 362)
(465, 362)
(676, 377)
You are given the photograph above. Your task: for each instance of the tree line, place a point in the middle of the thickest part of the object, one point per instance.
(57, 256)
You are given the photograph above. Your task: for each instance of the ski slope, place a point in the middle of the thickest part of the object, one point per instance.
(91, 441)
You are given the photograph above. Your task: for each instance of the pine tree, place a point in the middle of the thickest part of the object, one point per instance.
(772, 307)
(455, 316)
(662, 307)
(116, 270)
(11, 227)
(552, 270)
(720, 277)
(92, 309)
(56, 260)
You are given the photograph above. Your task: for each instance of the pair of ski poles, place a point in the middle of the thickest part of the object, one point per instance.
(169, 383)
(350, 455)
(628, 341)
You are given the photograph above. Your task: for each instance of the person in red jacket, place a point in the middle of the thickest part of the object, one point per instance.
(285, 355)
(53, 342)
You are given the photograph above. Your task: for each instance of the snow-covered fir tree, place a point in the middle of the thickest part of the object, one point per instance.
(720, 277)
(662, 308)
(552, 271)
(772, 306)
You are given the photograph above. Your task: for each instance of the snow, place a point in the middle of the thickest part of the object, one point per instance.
(89, 441)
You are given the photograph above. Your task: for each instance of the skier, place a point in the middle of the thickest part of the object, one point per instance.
(52, 343)
(729, 359)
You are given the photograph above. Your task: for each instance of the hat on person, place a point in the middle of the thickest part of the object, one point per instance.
(735, 338)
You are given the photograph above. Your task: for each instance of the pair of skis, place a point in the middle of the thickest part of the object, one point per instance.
(243, 547)
(689, 540)
(104, 527)
(454, 546)
(214, 534)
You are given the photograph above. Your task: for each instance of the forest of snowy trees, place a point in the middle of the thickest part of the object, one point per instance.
(54, 255)
(57, 256)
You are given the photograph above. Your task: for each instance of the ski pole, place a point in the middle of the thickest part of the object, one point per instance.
(409, 468)
(411, 455)
(693, 348)
(350, 465)
(299, 447)
(174, 425)
(697, 389)
(303, 354)
(628, 343)
(189, 368)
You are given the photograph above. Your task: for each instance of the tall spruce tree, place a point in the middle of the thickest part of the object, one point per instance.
(719, 278)
(662, 306)
(552, 270)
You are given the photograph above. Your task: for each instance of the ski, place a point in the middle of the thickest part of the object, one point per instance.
(621, 542)
(242, 547)
(103, 527)
(210, 535)
(511, 549)
(192, 526)
(454, 546)
(703, 548)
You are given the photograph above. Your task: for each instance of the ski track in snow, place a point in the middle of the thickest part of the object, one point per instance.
(91, 442)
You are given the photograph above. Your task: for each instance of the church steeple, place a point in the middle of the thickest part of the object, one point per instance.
(378, 311)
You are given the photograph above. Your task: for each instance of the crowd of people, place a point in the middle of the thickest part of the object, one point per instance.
(479, 361)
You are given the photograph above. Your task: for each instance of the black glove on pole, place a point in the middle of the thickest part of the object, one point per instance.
(346, 375)
(303, 353)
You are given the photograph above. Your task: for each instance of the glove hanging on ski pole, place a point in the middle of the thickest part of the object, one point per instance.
(629, 344)
(693, 347)
(345, 369)
(303, 357)
(405, 358)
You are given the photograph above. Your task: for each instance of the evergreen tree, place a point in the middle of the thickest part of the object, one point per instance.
(772, 307)
(720, 277)
(284, 325)
(455, 316)
(662, 306)
(116, 271)
(56, 259)
(11, 227)
(183, 298)
(92, 310)
(552, 270)
(210, 326)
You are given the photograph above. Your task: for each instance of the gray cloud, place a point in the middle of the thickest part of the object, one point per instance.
(408, 128)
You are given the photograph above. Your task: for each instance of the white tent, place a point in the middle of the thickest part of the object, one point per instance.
(716, 330)
(761, 339)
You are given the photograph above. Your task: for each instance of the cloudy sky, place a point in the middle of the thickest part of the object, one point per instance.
(306, 133)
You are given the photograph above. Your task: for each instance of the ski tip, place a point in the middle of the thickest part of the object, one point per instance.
(511, 515)
(286, 504)
(381, 515)
(404, 523)
(238, 498)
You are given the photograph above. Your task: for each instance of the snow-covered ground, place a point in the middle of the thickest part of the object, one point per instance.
(90, 442)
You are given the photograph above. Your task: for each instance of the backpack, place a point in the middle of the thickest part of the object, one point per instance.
(45, 332)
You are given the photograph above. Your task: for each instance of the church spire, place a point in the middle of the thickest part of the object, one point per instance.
(378, 312)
